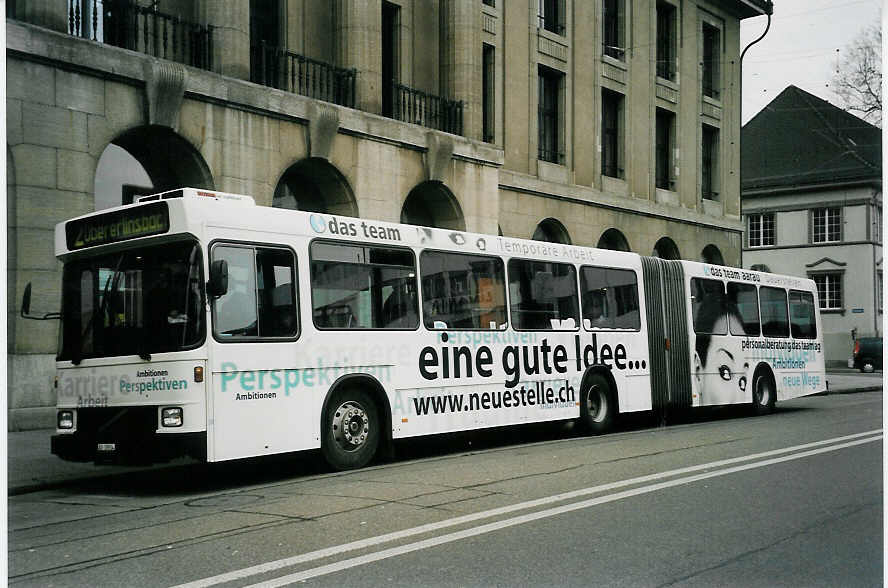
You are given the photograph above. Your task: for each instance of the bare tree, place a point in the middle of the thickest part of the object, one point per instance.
(858, 80)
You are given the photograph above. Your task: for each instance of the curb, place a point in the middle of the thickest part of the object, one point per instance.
(849, 391)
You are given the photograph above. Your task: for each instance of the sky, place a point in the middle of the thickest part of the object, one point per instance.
(800, 48)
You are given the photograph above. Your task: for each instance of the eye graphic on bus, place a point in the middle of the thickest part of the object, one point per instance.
(458, 238)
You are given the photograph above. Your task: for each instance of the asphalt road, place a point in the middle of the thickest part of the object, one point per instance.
(790, 499)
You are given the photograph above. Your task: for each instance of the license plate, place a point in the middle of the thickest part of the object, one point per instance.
(107, 447)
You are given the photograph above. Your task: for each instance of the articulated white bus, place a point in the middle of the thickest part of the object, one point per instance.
(195, 322)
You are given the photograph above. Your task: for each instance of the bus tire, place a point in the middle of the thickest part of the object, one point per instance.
(597, 407)
(764, 393)
(351, 429)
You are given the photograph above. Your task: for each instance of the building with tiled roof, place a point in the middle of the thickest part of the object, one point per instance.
(811, 201)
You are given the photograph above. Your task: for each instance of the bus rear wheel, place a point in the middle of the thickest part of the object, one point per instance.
(351, 429)
(597, 408)
(764, 396)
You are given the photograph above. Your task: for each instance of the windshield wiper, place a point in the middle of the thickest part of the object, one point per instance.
(110, 285)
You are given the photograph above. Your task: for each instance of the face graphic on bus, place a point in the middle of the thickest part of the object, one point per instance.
(717, 371)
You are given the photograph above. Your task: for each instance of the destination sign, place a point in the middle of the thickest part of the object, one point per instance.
(120, 225)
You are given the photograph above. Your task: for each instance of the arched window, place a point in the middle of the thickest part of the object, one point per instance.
(613, 239)
(315, 185)
(147, 160)
(432, 204)
(666, 249)
(712, 254)
(552, 231)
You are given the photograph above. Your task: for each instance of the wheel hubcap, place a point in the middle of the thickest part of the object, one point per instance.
(764, 392)
(351, 427)
(596, 404)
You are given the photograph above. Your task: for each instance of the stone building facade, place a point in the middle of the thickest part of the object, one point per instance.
(611, 123)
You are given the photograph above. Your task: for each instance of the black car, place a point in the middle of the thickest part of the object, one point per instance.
(868, 354)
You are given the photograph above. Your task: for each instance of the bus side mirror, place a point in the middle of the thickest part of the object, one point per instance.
(218, 283)
(26, 308)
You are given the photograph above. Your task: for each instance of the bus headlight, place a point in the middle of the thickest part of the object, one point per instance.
(66, 419)
(171, 417)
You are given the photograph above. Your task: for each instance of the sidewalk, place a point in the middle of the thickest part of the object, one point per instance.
(31, 466)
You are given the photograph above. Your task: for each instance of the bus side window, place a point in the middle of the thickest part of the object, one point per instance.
(235, 313)
(610, 298)
(261, 297)
(461, 291)
(802, 317)
(743, 310)
(276, 282)
(543, 295)
(708, 306)
(363, 287)
(775, 322)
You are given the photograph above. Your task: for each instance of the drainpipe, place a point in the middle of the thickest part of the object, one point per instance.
(740, 136)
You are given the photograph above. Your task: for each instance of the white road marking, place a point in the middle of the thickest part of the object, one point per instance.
(840, 443)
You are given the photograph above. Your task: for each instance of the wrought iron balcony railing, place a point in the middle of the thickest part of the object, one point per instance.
(277, 68)
(124, 23)
(421, 108)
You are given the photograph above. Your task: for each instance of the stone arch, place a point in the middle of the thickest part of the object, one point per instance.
(432, 204)
(712, 254)
(145, 159)
(315, 185)
(666, 248)
(552, 231)
(613, 239)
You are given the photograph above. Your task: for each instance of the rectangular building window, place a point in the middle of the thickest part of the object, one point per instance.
(775, 318)
(760, 230)
(550, 15)
(462, 291)
(266, 43)
(665, 133)
(363, 287)
(829, 290)
(549, 115)
(801, 315)
(391, 15)
(612, 35)
(666, 41)
(709, 179)
(488, 93)
(711, 61)
(543, 295)
(826, 225)
(610, 298)
(611, 134)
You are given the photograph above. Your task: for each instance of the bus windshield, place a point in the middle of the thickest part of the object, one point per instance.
(134, 302)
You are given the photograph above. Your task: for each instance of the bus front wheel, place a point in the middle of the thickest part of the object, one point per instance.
(764, 396)
(597, 409)
(351, 429)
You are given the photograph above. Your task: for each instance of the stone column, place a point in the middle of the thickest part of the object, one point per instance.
(231, 36)
(461, 62)
(359, 46)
